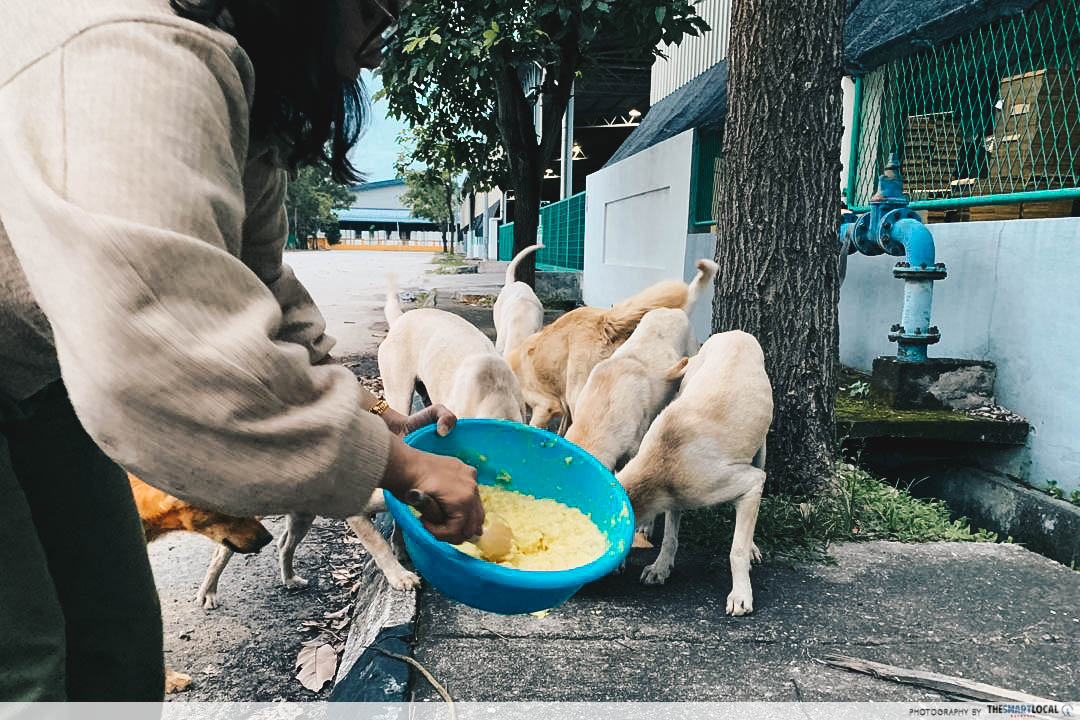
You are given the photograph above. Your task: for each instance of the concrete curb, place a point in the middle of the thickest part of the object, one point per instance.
(1044, 524)
(383, 619)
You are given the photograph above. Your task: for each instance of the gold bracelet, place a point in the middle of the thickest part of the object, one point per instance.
(379, 408)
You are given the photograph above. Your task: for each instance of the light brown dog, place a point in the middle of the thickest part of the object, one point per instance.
(625, 392)
(554, 364)
(705, 448)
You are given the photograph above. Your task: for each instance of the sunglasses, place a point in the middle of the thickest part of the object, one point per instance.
(385, 19)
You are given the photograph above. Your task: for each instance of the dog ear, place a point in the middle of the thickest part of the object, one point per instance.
(678, 369)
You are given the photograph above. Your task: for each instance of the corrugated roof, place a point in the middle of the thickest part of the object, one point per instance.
(363, 187)
(380, 215)
(701, 103)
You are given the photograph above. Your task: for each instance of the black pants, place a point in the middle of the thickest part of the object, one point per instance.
(79, 613)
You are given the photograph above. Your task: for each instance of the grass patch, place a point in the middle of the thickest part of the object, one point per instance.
(448, 260)
(856, 506)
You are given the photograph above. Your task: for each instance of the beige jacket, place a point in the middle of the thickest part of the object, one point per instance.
(140, 260)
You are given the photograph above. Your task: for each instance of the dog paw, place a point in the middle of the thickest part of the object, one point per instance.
(404, 580)
(740, 602)
(295, 582)
(655, 575)
(208, 600)
(755, 554)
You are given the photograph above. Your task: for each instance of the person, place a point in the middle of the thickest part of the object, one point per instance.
(147, 320)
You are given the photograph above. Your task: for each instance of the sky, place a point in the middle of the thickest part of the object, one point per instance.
(377, 150)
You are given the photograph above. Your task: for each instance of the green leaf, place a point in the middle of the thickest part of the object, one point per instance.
(661, 13)
(436, 38)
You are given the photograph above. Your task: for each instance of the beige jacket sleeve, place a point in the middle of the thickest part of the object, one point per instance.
(266, 228)
(122, 195)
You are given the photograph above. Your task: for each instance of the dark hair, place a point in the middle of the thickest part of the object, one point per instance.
(301, 103)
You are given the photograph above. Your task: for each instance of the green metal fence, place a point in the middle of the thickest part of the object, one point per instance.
(506, 241)
(562, 230)
(990, 117)
(704, 180)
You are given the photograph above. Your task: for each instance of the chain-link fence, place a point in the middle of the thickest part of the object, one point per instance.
(990, 114)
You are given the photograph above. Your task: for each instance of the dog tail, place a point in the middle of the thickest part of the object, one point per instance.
(706, 273)
(511, 269)
(392, 309)
(621, 320)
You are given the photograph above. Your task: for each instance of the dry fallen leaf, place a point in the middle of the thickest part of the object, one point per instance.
(641, 540)
(316, 666)
(176, 682)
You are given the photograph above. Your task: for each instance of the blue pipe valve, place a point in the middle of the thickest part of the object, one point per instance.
(892, 227)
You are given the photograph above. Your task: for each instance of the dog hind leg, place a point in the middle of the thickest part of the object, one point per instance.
(660, 570)
(759, 463)
(383, 555)
(207, 594)
(296, 527)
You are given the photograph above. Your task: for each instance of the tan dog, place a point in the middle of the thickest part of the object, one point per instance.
(518, 313)
(705, 448)
(625, 392)
(554, 364)
(456, 363)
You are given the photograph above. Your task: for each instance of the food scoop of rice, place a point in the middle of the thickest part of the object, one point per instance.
(547, 535)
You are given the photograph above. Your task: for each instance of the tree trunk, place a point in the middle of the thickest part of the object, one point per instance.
(527, 157)
(526, 222)
(779, 209)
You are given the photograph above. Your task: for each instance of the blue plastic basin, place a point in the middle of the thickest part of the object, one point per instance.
(540, 464)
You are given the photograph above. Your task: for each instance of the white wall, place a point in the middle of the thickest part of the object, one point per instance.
(636, 219)
(1013, 297)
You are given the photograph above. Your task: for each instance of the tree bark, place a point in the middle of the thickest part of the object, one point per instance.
(779, 209)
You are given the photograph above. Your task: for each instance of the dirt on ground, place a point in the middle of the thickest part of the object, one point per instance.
(246, 649)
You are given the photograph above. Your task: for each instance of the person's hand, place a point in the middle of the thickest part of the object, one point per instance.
(402, 425)
(456, 513)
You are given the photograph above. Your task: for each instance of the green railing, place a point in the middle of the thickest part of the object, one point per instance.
(562, 230)
(704, 180)
(990, 117)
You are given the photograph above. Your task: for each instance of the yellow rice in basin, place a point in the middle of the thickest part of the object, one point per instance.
(547, 534)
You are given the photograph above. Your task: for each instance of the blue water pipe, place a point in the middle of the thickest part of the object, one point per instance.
(892, 227)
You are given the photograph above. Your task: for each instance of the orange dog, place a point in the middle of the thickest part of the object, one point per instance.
(162, 514)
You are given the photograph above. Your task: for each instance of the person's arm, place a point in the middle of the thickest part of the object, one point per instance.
(265, 231)
(121, 196)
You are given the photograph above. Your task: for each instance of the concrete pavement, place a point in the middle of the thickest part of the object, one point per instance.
(998, 614)
(349, 286)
